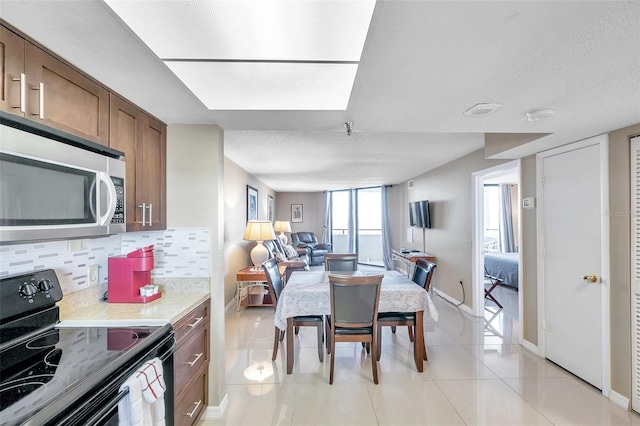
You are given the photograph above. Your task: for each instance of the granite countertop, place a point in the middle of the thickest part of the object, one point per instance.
(86, 308)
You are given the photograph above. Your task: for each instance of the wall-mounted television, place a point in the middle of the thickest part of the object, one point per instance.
(419, 215)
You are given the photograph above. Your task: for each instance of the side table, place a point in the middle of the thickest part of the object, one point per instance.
(248, 278)
(409, 257)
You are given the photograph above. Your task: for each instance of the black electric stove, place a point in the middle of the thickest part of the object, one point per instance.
(57, 375)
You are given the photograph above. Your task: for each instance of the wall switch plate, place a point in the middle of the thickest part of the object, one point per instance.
(528, 203)
(93, 275)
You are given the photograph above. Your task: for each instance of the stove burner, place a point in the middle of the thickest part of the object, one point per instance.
(45, 340)
(14, 391)
(98, 346)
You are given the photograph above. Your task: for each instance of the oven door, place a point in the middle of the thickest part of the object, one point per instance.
(101, 408)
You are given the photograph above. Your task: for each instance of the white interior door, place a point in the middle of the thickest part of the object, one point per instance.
(572, 215)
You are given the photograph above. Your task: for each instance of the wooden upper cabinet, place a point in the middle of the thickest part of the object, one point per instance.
(153, 155)
(125, 129)
(12, 68)
(143, 141)
(61, 97)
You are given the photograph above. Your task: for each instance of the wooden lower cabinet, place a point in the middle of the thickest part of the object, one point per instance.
(191, 365)
(190, 407)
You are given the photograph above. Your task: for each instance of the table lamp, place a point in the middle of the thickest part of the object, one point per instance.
(282, 226)
(259, 231)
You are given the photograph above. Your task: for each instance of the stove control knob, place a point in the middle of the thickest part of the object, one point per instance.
(28, 290)
(45, 285)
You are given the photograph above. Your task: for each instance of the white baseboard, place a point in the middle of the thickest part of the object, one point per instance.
(462, 307)
(231, 304)
(530, 346)
(618, 399)
(216, 411)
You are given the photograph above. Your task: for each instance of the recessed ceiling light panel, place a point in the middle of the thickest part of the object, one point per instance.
(268, 86)
(256, 54)
(481, 110)
(250, 29)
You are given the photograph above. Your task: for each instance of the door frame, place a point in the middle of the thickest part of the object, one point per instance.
(477, 226)
(603, 142)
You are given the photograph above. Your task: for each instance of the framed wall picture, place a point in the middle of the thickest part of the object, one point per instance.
(296, 213)
(252, 203)
(270, 208)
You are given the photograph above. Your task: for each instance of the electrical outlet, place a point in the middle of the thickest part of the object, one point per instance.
(93, 275)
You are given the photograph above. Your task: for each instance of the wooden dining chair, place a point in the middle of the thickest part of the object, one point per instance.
(341, 262)
(354, 312)
(338, 262)
(422, 275)
(275, 283)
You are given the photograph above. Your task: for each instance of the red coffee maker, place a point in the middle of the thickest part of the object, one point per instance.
(127, 274)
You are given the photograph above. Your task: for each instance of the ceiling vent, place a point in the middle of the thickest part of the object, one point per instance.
(541, 113)
(410, 184)
(480, 110)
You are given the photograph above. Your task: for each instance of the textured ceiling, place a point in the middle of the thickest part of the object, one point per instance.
(424, 64)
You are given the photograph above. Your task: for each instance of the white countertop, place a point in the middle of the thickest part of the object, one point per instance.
(169, 308)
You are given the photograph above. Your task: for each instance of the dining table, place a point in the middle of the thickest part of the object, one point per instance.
(307, 293)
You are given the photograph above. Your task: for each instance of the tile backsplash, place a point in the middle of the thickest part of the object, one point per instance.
(177, 253)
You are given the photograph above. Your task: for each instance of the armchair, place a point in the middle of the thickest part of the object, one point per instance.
(309, 240)
(276, 251)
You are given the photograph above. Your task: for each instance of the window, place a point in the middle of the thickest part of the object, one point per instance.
(367, 232)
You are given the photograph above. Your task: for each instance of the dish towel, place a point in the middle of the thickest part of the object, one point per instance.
(144, 405)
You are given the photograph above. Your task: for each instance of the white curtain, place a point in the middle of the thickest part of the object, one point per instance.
(507, 236)
(326, 223)
(352, 222)
(386, 228)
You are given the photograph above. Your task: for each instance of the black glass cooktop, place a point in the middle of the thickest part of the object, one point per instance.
(58, 363)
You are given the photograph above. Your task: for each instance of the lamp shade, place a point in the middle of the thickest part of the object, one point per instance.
(259, 231)
(282, 226)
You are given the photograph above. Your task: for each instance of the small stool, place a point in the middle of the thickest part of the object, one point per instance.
(487, 292)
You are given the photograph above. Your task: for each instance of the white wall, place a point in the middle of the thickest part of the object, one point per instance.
(195, 190)
(236, 250)
(312, 210)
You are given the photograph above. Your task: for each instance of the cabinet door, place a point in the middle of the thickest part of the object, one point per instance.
(11, 66)
(126, 128)
(61, 97)
(151, 161)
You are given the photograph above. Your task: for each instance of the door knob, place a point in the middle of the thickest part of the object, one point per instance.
(592, 278)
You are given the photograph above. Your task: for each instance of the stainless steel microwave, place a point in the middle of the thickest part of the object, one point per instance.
(54, 185)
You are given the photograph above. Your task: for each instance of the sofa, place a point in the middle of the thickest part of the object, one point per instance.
(294, 262)
(310, 241)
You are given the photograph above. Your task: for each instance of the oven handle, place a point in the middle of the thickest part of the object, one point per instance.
(106, 410)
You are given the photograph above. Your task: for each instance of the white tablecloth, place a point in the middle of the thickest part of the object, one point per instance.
(307, 293)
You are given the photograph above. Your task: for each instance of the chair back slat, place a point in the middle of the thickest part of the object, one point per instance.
(274, 280)
(341, 262)
(423, 273)
(354, 300)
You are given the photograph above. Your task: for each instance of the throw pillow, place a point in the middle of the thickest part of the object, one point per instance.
(280, 257)
(290, 252)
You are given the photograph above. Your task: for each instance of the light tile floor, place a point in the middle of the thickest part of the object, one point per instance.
(477, 374)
